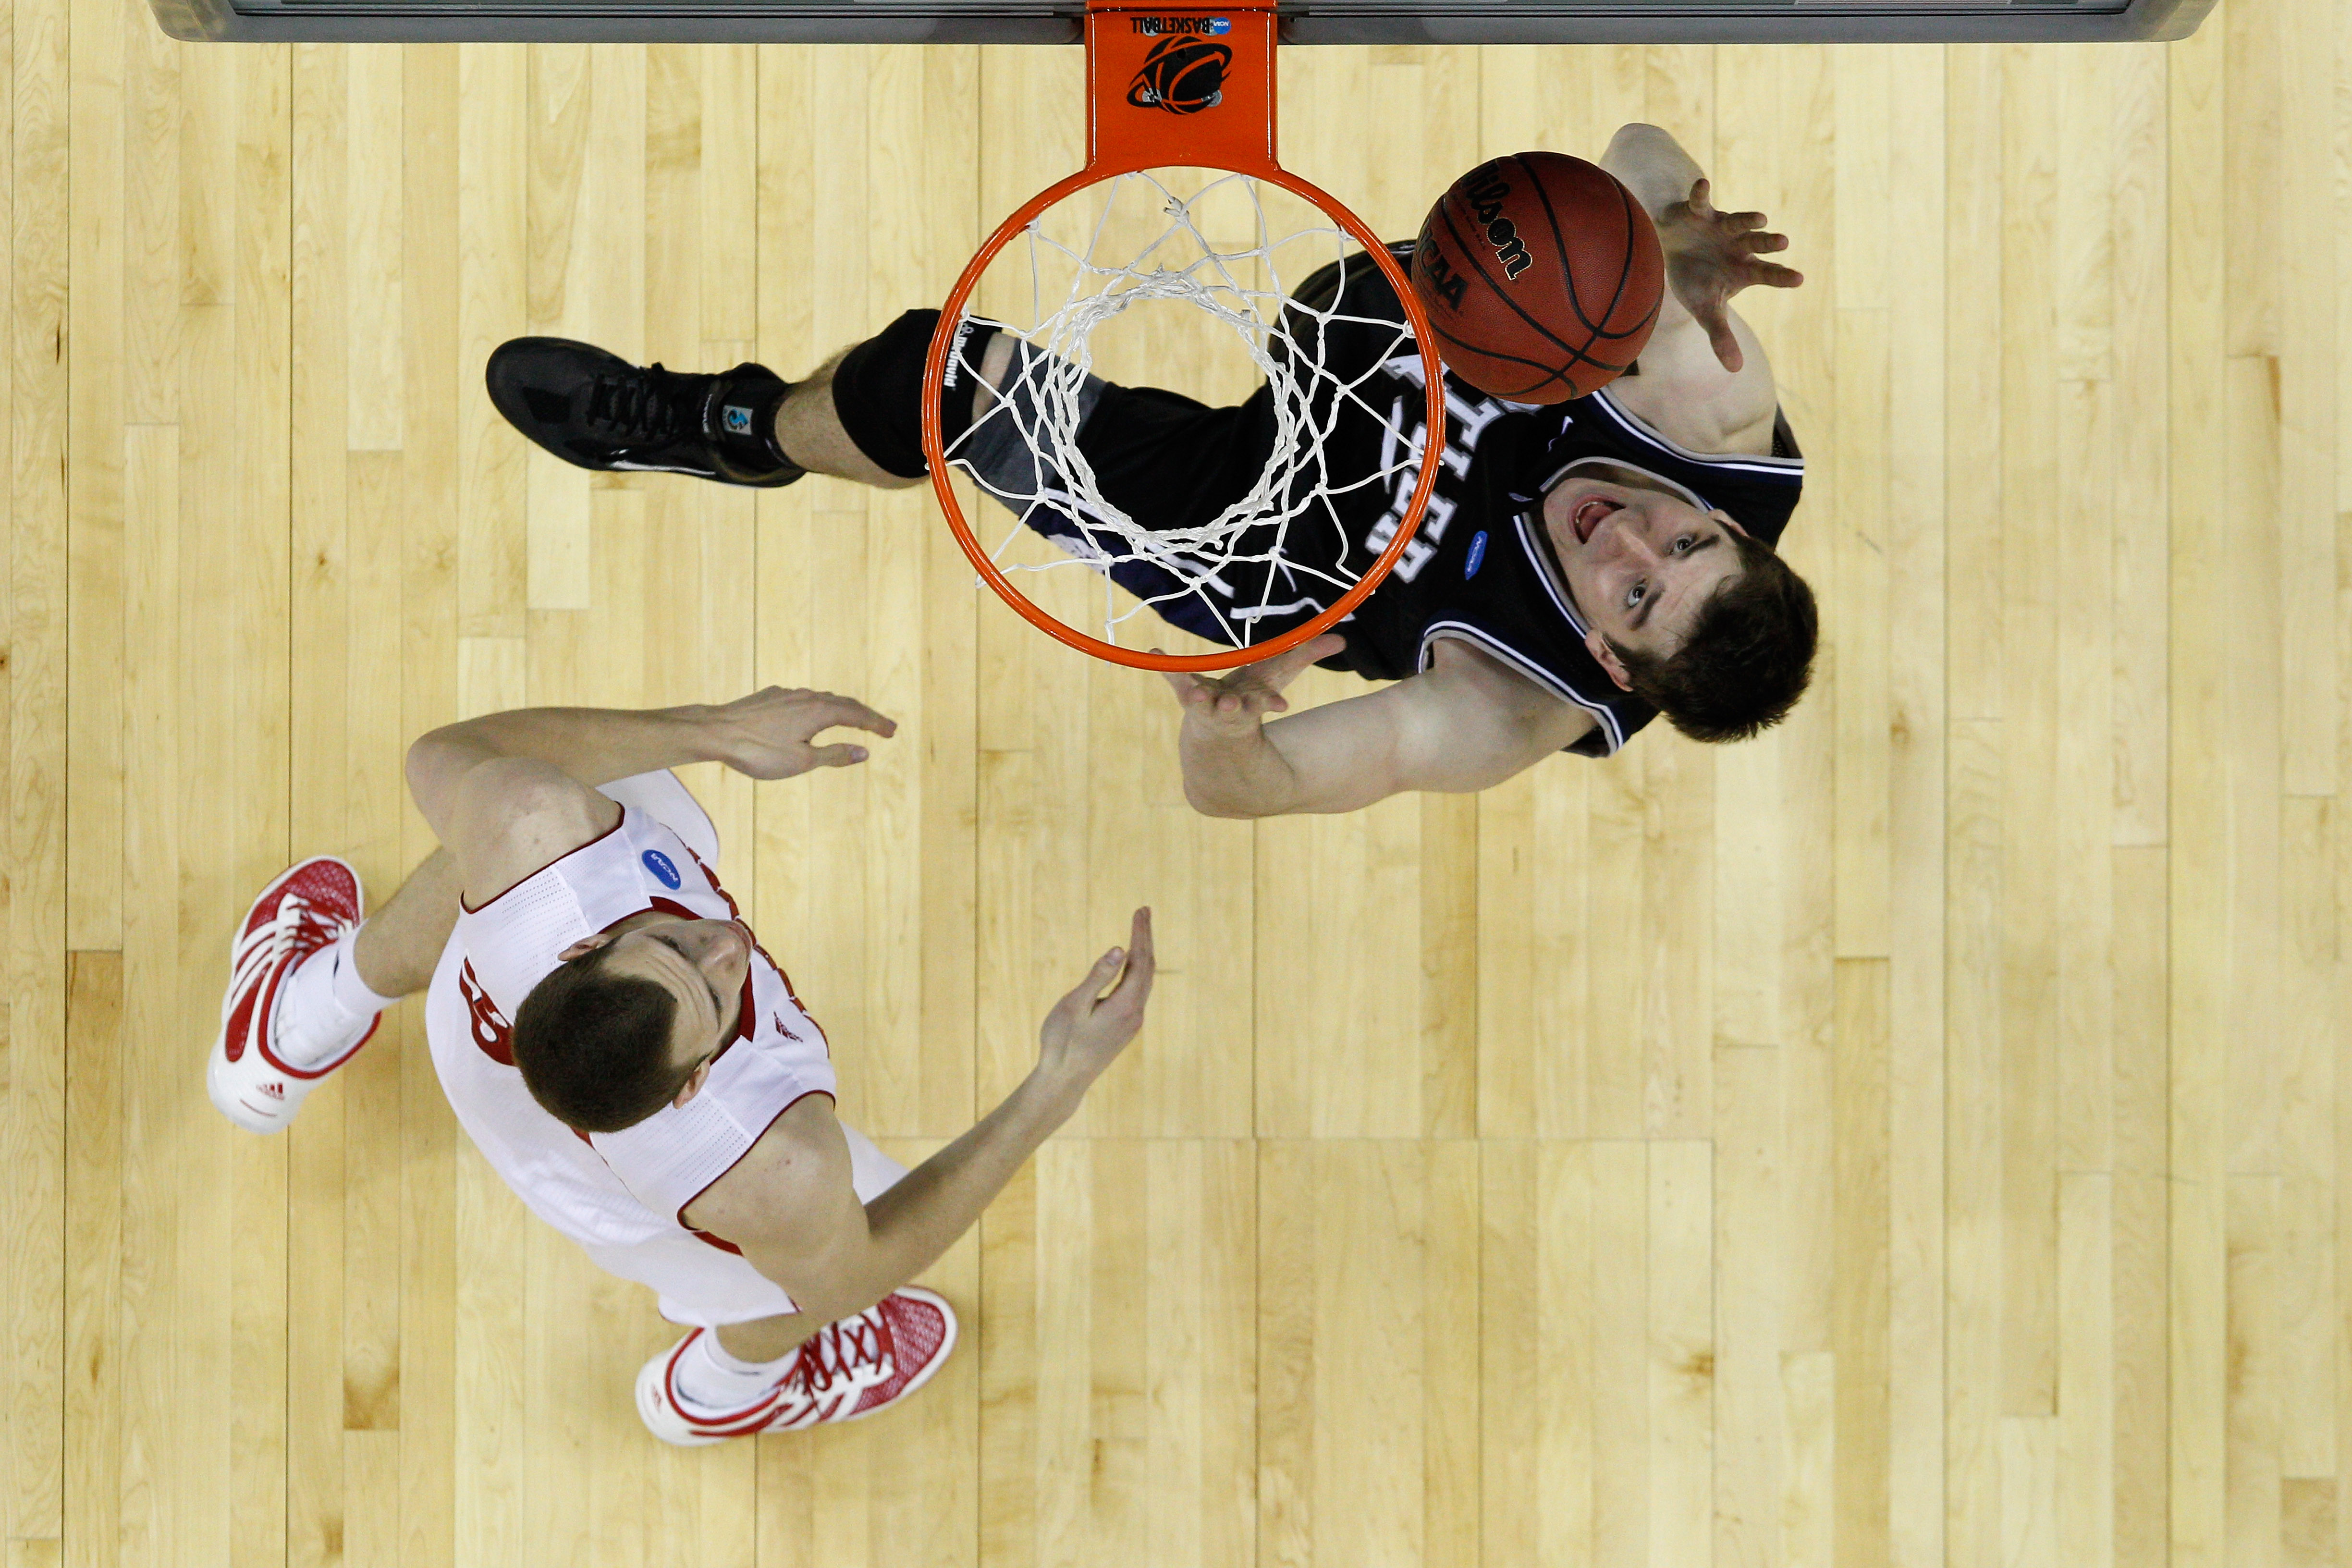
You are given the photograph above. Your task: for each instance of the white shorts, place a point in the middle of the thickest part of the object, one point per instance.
(703, 1286)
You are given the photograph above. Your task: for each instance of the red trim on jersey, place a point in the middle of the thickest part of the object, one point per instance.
(559, 860)
(746, 1016)
(782, 973)
(720, 1242)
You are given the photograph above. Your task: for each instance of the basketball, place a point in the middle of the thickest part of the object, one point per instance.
(1541, 275)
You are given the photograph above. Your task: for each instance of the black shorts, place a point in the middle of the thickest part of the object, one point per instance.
(1171, 464)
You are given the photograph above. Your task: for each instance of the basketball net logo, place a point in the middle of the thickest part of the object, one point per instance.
(1181, 75)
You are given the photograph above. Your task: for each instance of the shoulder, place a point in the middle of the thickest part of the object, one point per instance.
(1467, 686)
(1679, 388)
(1514, 632)
(788, 1186)
(512, 816)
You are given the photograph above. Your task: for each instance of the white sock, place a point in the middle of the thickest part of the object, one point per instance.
(713, 1381)
(350, 989)
(322, 1007)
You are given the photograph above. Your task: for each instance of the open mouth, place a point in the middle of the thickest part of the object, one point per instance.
(1588, 515)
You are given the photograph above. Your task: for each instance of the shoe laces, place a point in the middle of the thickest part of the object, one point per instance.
(638, 409)
(843, 1359)
(297, 930)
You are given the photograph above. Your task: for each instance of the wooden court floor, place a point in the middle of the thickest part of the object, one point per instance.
(1914, 1137)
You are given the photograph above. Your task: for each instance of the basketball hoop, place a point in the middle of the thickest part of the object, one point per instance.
(1173, 92)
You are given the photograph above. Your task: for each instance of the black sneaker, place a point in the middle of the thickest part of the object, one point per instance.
(597, 410)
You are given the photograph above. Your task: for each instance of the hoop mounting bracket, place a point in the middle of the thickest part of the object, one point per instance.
(1183, 83)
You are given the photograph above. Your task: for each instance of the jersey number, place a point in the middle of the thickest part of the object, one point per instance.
(492, 1033)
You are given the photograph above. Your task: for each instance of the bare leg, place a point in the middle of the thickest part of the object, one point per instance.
(766, 1338)
(809, 429)
(810, 432)
(401, 943)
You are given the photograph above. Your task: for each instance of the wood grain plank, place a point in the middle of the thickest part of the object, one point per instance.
(434, 384)
(32, 1114)
(93, 714)
(1916, 703)
(2197, 701)
(97, 1524)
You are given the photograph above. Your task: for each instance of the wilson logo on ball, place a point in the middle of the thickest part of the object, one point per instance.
(1181, 75)
(1486, 197)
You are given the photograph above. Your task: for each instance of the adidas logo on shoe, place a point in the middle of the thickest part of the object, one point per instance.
(307, 907)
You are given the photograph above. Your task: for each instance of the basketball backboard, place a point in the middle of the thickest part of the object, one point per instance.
(1303, 21)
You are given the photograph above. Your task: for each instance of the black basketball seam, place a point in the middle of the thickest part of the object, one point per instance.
(1551, 374)
(1470, 256)
(1595, 334)
(1559, 243)
(1624, 199)
(1559, 246)
(1624, 204)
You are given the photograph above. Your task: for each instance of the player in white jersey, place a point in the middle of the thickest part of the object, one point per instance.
(633, 1064)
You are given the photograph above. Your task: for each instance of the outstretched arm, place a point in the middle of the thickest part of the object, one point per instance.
(509, 792)
(1464, 724)
(788, 1203)
(1705, 382)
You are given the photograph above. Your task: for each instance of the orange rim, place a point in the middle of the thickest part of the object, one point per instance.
(1238, 137)
(935, 449)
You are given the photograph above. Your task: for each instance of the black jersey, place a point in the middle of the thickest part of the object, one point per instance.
(1480, 567)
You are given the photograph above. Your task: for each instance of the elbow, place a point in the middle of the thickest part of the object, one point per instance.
(1208, 804)
(437, 762)
(417, 766)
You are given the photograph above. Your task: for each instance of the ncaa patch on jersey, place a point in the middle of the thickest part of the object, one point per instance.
(659, 865)
(1477, 555)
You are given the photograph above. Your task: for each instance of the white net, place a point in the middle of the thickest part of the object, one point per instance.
(1192, 282)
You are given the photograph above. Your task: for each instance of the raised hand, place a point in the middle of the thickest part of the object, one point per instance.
(1238, 702)
(1711, 256)
(1088, 1028)
(769, 733)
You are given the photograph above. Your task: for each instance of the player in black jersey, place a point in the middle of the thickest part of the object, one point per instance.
(1579, 568)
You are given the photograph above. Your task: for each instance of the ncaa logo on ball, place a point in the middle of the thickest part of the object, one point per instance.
(659, 865)
(1182, 74)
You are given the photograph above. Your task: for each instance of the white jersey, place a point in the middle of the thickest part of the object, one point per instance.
(622, 1195)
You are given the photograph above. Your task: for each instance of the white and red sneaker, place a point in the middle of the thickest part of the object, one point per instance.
(844, 1371)
(301, 912)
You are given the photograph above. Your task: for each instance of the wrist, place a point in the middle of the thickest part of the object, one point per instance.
(1234, 772)
(701, 731)
(1232, 732)
(1049, 1096)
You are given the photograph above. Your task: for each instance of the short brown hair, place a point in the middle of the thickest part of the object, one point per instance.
(594, 1047)
(1748, 656)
